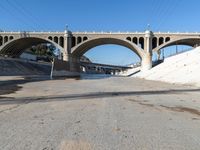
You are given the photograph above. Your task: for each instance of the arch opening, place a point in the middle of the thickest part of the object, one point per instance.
(85, 38)
(73, 41)
(191, 42)
(50, 38)
(154, 42)
(79, 40)
(174, 47)
(11, 38)
(1, 40)
(55, 39)
(109, 59)
(109, 47)
(128, 38)
(135, 40)
(79, 50)
(17, 47)
(61, 41)
(5, 39)
(112, 54)
(161, 41)
(141, 42)
(173, 50)
(167, 39)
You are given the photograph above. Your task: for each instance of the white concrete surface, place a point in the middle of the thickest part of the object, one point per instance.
(182, 69)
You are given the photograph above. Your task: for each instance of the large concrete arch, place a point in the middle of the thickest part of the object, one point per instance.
(189, 41)
(75, 44)
(16, 47)
(85, 46)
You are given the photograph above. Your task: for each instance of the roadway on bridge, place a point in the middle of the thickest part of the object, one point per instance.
(98, 113)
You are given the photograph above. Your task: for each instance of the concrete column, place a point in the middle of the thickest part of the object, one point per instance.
(147, 58)
(146, 62)
(74, 62)
(3, 42)
(65, 52)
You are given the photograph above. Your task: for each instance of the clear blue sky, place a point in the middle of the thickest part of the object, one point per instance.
(101, 15)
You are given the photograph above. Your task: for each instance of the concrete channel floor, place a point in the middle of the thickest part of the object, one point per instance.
(105, 113)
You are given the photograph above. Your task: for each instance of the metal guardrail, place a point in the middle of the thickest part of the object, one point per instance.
(180, 52)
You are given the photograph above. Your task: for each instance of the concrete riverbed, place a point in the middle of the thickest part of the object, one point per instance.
(98, 113)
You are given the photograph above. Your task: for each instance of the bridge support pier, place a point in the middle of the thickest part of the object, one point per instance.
(67, 46)
(146, 62)
(69, 66)
(74, 64)
(147, 58)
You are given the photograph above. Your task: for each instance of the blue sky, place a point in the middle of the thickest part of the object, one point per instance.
(101, 15)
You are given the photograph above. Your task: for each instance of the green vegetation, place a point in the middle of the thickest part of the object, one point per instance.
(43, 50)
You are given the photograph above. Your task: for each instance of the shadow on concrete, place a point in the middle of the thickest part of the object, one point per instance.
(87, 96)
(133, 73)
(11, 86)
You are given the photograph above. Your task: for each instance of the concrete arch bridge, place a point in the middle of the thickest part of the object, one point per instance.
(74, 44)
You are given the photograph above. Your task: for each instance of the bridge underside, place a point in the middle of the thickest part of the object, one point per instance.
(188, 42)
(191, 42)
(17, 47)
(83, 48)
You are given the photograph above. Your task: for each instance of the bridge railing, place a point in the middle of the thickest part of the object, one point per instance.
(100, 32)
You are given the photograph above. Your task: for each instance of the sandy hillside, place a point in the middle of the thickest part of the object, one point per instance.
(183, 69)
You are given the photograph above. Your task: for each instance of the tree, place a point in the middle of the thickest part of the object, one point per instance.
(43, 50)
